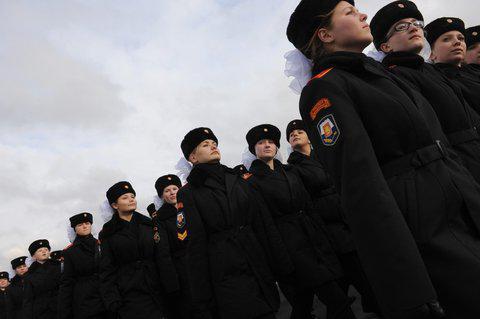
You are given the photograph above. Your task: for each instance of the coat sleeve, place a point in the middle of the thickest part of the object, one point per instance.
(65, 293)
(190, 228)
(27, 305)
(108, 277)
(385, 244)
(165, 266)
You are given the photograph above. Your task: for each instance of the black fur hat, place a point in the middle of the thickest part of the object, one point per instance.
(37, 244)
(306, 19)
(165, 181)
(17, 262)
(294, 125)
(443, 25)
(195, 137)
(262, 132)
(81, 218)
(118, 190)
(472, 35)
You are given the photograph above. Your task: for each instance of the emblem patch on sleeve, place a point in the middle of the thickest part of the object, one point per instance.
(328, 130)
(322, 104)
(180, 220)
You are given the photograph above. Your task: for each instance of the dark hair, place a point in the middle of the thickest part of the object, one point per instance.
(315, 48)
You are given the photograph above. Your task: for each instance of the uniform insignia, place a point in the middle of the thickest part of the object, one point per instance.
(246, 176)
(474, 33)
(322, 74)
(180, 220)
(179, 205)
(401, 5)
(449, 20)
(182, 236)
(156, 237)
(328, 130)
(322, 104)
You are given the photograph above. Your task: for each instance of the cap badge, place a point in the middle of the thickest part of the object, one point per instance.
(206, 131)
(474, 33)
(401, 5)
(294, 123)
(126, 186)
(84, 215)
(169, 178)
(449, 20)
(265, 129)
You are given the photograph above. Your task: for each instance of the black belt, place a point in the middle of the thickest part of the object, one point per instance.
(463, 136)
(419, 158)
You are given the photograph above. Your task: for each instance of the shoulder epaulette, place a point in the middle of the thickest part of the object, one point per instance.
(321, 74)
(246, 176)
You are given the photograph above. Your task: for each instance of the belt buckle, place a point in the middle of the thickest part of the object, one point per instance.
(440, 148)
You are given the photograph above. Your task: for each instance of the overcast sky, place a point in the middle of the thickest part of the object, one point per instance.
(94, 92)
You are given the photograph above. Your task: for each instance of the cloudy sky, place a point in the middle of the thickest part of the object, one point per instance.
(93, 92)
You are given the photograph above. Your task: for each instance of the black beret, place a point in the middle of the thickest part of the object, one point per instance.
(56, 255)
(81, 218)
(262, 132)
(443, 25)
(195, 137)
(118, 190)
(151, 209)
(306, 19)
(4, 275)
(294, 125)
(165, 181)
(19, 261)
(37, 244)
(390, 14)
(472, 35)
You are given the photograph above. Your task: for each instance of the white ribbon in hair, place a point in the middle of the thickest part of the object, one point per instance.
(157, 201)
(183, 168)
(106, 212)
(299, 67)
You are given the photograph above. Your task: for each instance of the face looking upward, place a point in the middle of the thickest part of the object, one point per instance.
(127, 203)
(348, 30)
(405, 36)
(298, 139)
(206, 152)
(265, 150)
(42, 254)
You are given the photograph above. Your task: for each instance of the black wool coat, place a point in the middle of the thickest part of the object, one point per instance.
(453, 112)
(135, 272)
(467, 82)
(5, 304)
(412, 209)
(15, 291)
(227, 261)
(472, 69)
(79, 294)
(308, 245)
(41, 290)
(179, 304)
(325, 206)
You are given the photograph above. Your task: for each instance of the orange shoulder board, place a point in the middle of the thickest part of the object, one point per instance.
(321, 74)
(246, 176)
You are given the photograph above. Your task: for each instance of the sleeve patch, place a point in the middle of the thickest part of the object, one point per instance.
(182, 236)
(180, 220)
(328, 129)
(322, 104)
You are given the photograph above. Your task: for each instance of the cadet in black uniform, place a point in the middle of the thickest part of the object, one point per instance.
(132, 278)
(316, 267)
(410, 206)
(472, 57)
(79, 294)
(5, 302)
(447, 38)
(41, 284)
(165, 222)
(218, 215)
(326, 209)
(16, 286)
(398, 31)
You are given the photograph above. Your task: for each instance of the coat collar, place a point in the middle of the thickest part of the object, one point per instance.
(115, 224)
(166, 211)
(406, 59)
(296, 157)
